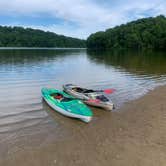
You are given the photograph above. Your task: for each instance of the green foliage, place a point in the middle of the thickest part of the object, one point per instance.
(97, 40)
(143, 33)
(27, 37)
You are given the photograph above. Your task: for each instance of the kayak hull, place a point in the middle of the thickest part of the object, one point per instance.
(66, 112)
(58, 109)
(86, 98)
(107, 106)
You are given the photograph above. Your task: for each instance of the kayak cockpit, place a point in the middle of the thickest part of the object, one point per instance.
(102, 98)
(82, 90)
(60, 97)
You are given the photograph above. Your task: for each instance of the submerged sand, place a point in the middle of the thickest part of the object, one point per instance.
(134, 135)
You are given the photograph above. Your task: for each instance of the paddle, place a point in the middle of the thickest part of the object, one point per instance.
(93, 101)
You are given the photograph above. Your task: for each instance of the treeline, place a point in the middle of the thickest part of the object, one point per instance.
(143, 33)
(27, 37)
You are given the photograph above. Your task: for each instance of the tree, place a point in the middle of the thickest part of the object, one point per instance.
(27, 37)
(142, 33)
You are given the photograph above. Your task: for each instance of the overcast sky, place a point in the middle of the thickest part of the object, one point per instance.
(76, 18)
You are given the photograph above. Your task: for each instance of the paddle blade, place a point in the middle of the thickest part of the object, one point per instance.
(108, 91)
(93, 101)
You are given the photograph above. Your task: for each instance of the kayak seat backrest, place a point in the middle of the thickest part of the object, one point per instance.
(57, 96)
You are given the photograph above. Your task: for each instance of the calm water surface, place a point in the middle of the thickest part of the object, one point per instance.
(23, 72)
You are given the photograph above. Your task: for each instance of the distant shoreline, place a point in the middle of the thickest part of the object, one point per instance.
(28, 37)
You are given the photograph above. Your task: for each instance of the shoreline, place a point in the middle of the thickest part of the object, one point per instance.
(134, 135)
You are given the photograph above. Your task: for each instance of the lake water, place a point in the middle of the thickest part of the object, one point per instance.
(23, 72)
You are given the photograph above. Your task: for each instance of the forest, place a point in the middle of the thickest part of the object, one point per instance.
(27, 37)
(148, 33)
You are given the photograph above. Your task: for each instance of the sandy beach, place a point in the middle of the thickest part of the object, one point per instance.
(134, 135)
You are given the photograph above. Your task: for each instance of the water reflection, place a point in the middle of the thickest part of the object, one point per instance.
(22, 56)
(139, 62)
(24, 72)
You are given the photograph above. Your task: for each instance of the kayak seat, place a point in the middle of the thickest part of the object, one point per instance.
(57, 96)
(66, 99)
(60, 97)
(78, 89)
(102, 98)
(81, 90)
(88, 91)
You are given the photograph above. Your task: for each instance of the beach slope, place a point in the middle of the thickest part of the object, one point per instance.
(135, 135)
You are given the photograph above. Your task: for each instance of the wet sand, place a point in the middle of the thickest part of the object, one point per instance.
(134, 135)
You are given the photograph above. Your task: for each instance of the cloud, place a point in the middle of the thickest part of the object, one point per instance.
(81, 17)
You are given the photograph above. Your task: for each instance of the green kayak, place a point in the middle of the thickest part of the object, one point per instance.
(66, 104)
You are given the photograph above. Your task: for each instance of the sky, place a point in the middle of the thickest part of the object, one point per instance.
(76, 18)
